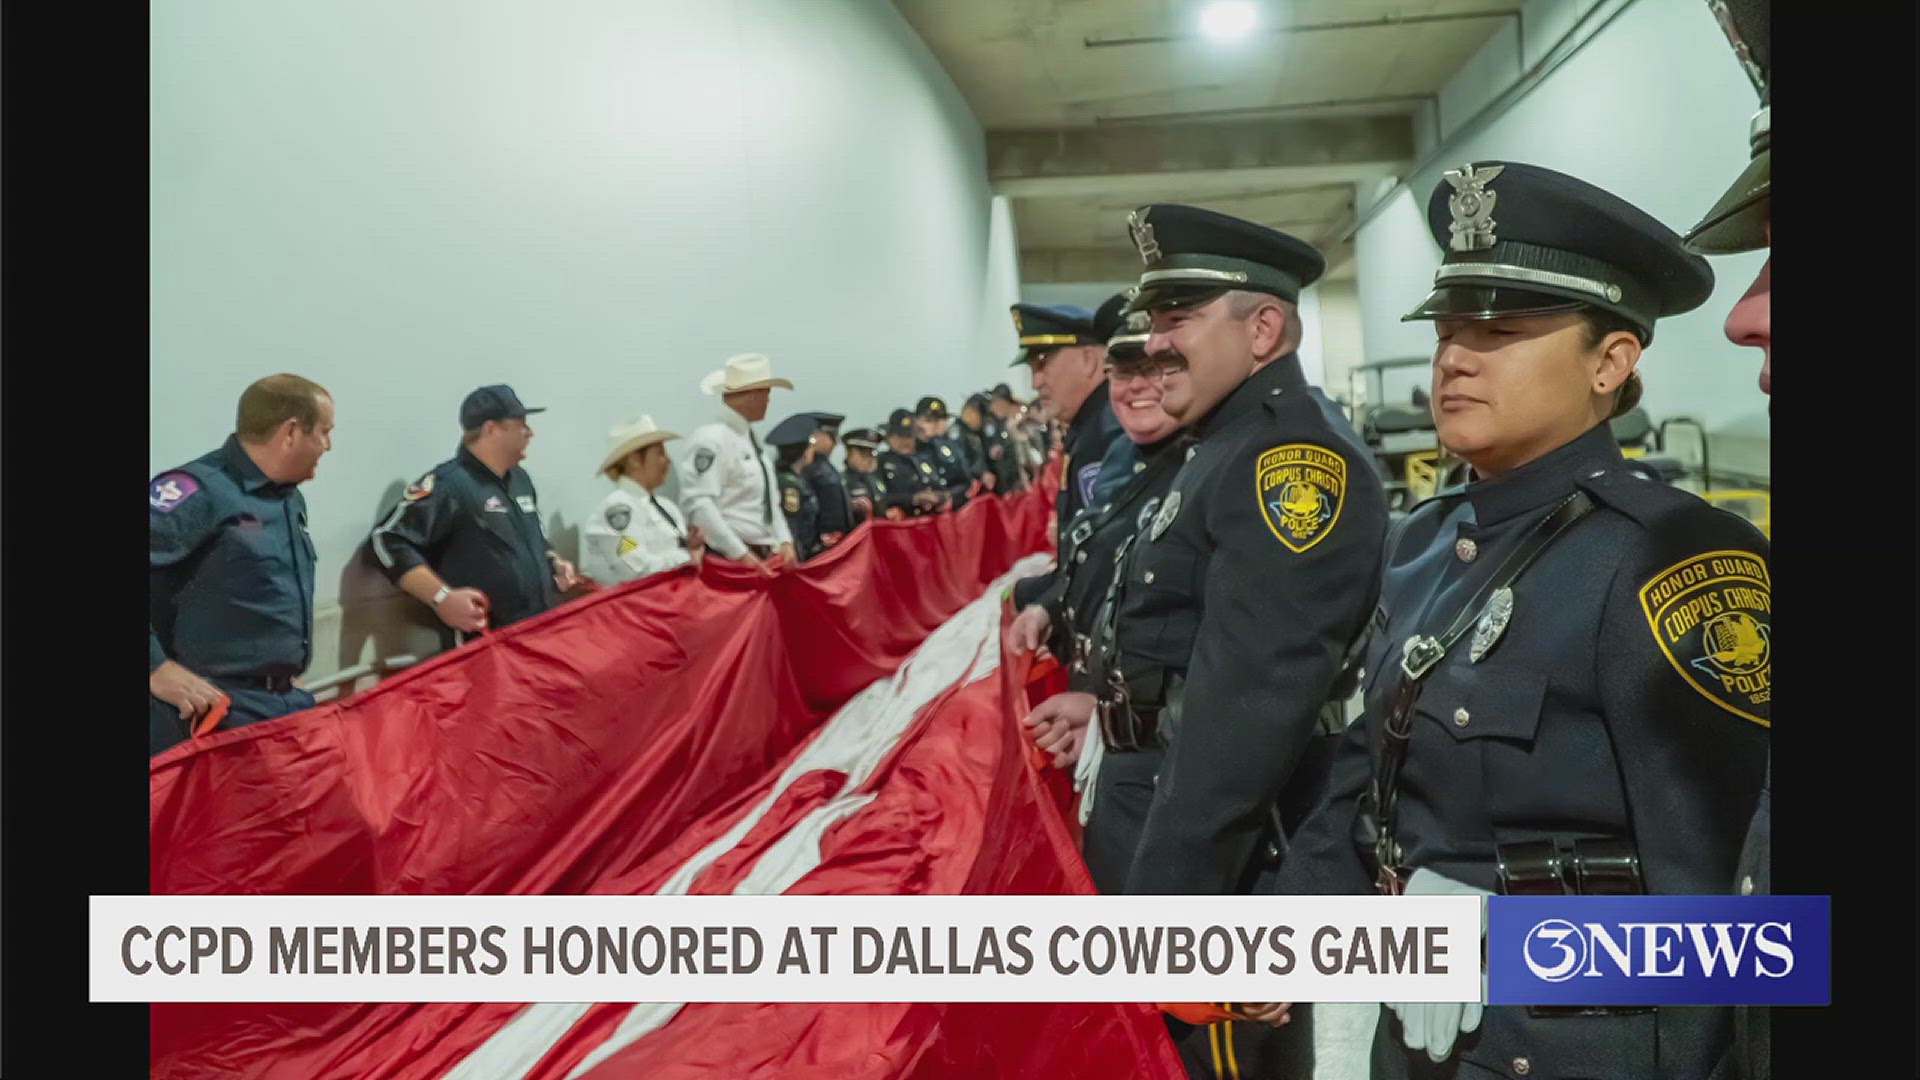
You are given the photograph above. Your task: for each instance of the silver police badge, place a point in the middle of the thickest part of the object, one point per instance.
(1166, 515)
(1493, 623)
(1143, 236)
(1146, 514)
(1472, 207)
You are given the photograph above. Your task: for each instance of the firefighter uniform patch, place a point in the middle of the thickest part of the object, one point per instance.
(1301, 489)
(790, 500)
(1712, 616)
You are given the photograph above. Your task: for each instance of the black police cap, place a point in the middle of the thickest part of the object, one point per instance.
(1193, 255)
(901, 422)
(1521, 240)
(829, 421)
(795, 430)
(1111, 316)
(1737, 222)
(863, 439)
(1044, 329)
(931, 407)
(1129, 342)
(977, 402)
(497, 402)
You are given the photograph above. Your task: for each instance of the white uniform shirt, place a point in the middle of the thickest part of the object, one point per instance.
(729, 488)
(631, 534)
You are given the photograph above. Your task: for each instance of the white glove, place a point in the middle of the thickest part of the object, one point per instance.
(1434, 1025)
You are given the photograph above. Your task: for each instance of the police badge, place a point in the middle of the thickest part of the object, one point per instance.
(702, 460)
(1146, 515)
(1165, 517)
(1472, 207)
(618, 515)
(1493, 623)
(1142, 232)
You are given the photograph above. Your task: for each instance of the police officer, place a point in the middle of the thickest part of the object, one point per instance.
(635, 531)
(724, 477)
(1121, 778)
(230, 567)
(1741, 221)
(465, 538)
(829, 490)
(1569, 676)
(1066, 358)
(1004, 457)
(970, 437)
(908, 485)
(949, 467)
(793, 450)
(1252, 584)
(864, 486)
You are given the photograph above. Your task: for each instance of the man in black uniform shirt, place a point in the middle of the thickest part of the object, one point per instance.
(1003, 455)
(1253, 583)
(230, 567)
(836, 513)
(1590, 716)
(1742, 220)
(1067, 360)
(908, 485)
(465, 539)
(794, 450)
(936, 449)
(864, 487)
(970, 436)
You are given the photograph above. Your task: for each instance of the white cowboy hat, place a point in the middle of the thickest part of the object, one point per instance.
(748, 371)
(631, 435)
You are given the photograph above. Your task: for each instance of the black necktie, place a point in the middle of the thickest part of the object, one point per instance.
(766, 482)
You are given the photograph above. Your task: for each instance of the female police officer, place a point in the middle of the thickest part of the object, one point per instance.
(1567, 685)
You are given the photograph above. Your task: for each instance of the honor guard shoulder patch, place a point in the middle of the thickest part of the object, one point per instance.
(420, 488)
(1301, 489)
(618, 515)
(1712, 616)
(170, 490)
(790, 500)
(702, 460)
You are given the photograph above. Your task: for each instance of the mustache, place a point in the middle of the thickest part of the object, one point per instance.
(1170, 360)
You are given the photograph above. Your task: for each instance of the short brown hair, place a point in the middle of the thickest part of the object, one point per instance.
(276, 399)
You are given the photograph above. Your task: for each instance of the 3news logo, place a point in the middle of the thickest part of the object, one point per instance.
(1657, 950)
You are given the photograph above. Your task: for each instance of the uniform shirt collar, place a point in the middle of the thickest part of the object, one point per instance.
(1545, 479)
(733, 420)
(1097, 402)
(1280, 375)
(632, 487)
(467, 457)
(252, 480)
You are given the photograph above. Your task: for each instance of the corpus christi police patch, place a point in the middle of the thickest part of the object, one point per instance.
(1301, 488)
(1712, 616)
(702, 460)
(618, 516)
(169, 491)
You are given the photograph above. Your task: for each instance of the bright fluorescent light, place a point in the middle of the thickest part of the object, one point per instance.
(1229, 20)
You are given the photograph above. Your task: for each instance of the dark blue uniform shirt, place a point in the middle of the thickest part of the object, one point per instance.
(230, 569)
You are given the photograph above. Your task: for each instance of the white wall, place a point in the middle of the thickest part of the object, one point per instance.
(595, 202)
(1653, 109)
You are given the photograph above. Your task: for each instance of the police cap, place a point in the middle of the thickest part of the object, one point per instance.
(900, 423)
(863, 439)
(1738, 220)
(1194, 255)
(829, 422)
(795, 430)
(497, 402)
(932, 408)
(977, 402)
(1129, 341)
(1044, 329)
(1002, 392)
(1523, 240)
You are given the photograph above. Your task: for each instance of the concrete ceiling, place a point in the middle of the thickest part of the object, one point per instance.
(1092, 107)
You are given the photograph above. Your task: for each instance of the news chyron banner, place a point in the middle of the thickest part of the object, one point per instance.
(1541, 951)
(783, 948)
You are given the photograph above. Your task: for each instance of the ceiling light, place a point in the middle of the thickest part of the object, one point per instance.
(1229, 20)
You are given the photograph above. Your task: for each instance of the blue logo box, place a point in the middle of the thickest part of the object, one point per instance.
(1658, 950)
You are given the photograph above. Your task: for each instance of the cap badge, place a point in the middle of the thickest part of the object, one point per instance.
(1017, 328)
(1142, 231)
(1741, 50)
(1472, 206)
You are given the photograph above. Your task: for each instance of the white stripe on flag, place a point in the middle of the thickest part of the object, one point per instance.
(855, 741)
